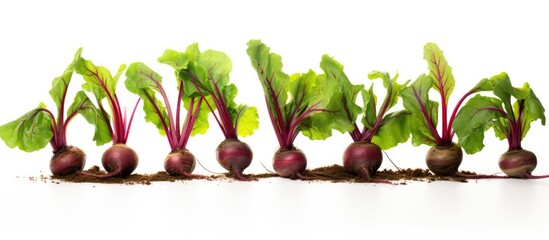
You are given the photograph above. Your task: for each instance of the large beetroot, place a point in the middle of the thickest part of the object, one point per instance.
(33, 130)
(146, 83)
(207, 74)
(509, 120)
(380, 130)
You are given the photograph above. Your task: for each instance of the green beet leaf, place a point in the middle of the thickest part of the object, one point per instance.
(439, 70)
(84, 106)
(140, 80)
(479, 114)
(510, 120)
(30, 132)
(424, 112)
(206, 74)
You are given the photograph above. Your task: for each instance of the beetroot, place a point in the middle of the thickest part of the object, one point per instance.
(518, 163)
(234, 156)
(119, 161)
(67, 161)
(181, 162)
(444, 160)
(290, 163)
(363, 159)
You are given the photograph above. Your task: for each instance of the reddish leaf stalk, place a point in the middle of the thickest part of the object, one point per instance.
(121, 129)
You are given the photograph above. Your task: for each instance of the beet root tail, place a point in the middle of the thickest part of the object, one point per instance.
(364, 173)
(530, 176)
(478, 176)
(239, 176)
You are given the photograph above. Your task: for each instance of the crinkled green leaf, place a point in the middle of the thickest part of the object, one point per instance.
(504, 90)
(304, 92)
(84, 106)
(533, 111)
(415, 98)
(369, 101)
(333, 71)
(391, 84)
(474, 118)
(30, 132)
(207, 74)
(175, 59)
(482, 113)
(269, 70)
(439, 70)
(60, 84)
(395, 129)
(98, 79)
(144, 82)
(246, 120)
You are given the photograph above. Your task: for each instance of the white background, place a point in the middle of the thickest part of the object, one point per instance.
(479, 39)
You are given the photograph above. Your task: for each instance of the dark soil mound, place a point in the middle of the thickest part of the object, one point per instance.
(334, 173)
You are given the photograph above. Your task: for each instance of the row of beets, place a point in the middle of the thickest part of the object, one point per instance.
(308, 103)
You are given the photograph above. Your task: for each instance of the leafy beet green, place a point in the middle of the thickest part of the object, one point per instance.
(509, 120)
(207, 74)
(36, 128)
(291, 100)
(380, 127)
(100, 82)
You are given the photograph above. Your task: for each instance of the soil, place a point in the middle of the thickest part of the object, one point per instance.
(334, 173)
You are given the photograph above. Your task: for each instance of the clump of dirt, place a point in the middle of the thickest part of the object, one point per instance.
(145, 179)
(337, 173)
(333, 173)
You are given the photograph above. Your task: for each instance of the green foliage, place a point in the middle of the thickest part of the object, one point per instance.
(424, 112)
(510, 120)
(30, 132)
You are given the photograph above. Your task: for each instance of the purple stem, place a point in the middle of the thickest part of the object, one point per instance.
(166, 102)
(167, 129)
(196, 83)
(278, 131)
(128, 127)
